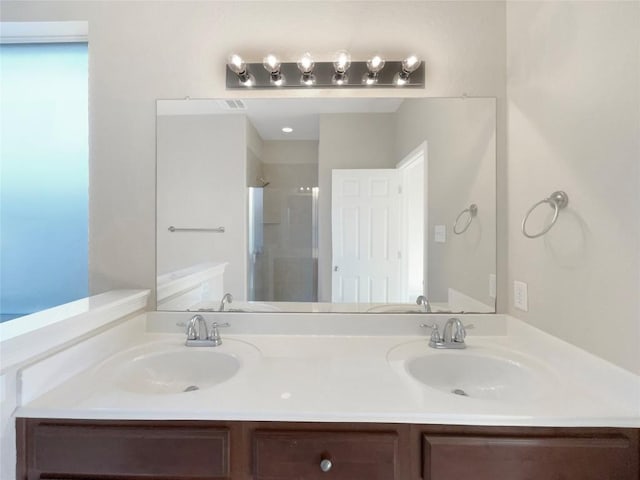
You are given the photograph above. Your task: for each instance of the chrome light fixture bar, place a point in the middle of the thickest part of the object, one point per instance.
(342, 72)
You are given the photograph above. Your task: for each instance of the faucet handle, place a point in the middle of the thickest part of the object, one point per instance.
(214, 333)
(461, 332)
(435, 333)
(191, 330)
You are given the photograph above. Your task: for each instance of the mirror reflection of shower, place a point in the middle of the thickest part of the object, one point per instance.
(283, 223)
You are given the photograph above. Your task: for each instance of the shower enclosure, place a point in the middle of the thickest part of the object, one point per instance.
(283, 243)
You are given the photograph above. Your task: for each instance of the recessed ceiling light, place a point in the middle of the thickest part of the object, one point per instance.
(287, 129)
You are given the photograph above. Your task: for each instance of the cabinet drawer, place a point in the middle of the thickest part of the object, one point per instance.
(155, 452)
(298, 455)
(610, 457)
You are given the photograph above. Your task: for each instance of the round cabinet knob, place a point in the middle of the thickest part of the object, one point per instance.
(325, 465)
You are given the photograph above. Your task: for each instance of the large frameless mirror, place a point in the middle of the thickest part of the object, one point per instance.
(327, 205)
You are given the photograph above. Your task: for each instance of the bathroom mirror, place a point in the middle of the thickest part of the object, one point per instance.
(326, 204)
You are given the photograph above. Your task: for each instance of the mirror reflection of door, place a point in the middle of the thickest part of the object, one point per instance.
(365, 208)
(377, 225)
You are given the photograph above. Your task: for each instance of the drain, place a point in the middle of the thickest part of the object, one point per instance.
(191, 388)
(459, 391)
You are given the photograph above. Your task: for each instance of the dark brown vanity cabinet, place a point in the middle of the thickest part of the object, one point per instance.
(530, 454)
(198, 450)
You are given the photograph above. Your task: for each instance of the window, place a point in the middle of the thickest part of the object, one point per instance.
(44, 184)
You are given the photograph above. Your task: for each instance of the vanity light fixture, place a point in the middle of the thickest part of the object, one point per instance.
(374, 65)
(409, 65)
(272, 65)
(238, 66)
(306, 72)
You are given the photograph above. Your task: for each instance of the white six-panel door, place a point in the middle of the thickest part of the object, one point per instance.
(365, 223)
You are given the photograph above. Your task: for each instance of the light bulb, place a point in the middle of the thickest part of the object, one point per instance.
(236, 64)
(341, 61)
(306, 64)
(271, 63)
(410, 64)
(375, 64)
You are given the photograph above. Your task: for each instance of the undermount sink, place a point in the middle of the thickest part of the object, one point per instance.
(178, 371)
(170, 367)
(482, 374)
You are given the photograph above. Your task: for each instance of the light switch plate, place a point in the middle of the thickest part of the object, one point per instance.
(520, 300)
(440, 233)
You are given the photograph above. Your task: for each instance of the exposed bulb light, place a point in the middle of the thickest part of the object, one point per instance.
(306, 63)
(306, 66)
(287, 129)
(341, 61)
(238, 66)
(272, 65)
(374, 65)
(409, 65)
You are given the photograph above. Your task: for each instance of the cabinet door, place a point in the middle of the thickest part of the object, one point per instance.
(116, 451)
(609, 457)
(291, 455)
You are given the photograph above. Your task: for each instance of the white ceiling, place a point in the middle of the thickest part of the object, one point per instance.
(270, 115)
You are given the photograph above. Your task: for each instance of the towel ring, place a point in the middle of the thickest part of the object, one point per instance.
(557, 200)
(472, 211)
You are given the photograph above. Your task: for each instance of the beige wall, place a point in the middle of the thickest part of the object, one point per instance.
(141, 51)
(573, 71)
(201, 174)
(573, 123)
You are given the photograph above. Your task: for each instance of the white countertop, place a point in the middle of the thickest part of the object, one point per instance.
(361, 378)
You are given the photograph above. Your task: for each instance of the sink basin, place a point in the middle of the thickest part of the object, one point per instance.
(167, 366)
(475, 373)
(475, 376)
(177, 371)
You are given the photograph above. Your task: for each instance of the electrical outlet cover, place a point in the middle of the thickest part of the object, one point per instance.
(520, 297)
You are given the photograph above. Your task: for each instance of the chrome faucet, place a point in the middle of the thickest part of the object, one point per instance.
(199, 335)
(227, 298)
(195, 328)
(453, 334)
(422, 300)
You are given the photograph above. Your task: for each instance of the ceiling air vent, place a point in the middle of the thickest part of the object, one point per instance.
(234, 105)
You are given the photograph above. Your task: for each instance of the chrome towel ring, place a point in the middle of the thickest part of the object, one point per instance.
(472, 211)
(557, 200)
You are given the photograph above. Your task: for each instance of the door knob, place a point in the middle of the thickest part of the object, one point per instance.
(336, 268)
